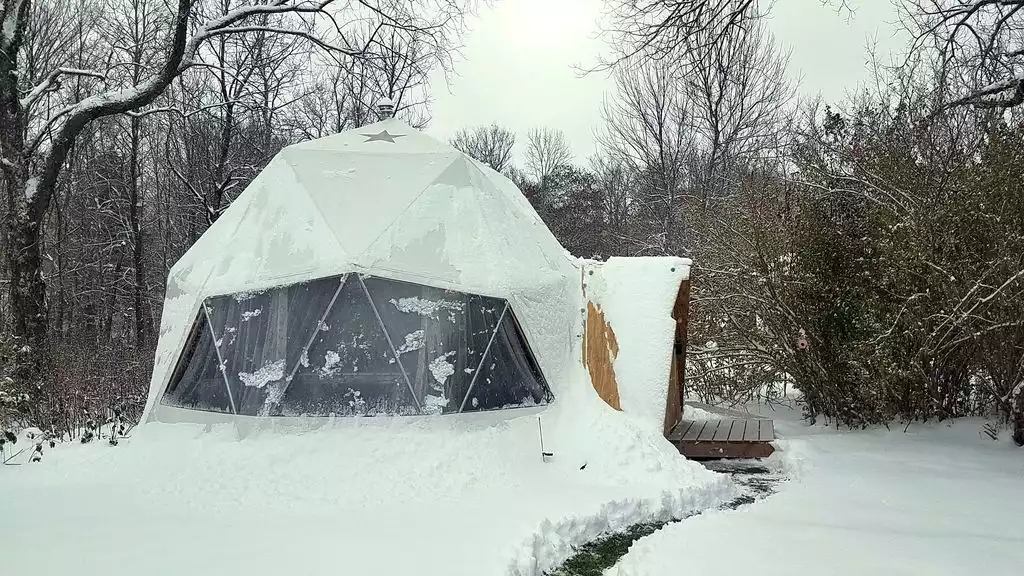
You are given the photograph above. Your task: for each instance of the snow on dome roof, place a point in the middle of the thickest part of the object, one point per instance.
(388, 201)
(384, 195)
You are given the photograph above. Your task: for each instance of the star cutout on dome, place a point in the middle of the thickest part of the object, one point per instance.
(382, 137)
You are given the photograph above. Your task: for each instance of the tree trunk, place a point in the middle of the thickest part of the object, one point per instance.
(24, 232)
(1017, 414)
(142, 329)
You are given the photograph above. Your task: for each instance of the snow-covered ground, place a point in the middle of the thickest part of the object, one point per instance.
(938, 500)
(447, 496)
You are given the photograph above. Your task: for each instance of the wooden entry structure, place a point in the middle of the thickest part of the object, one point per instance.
(723, 434)
(728, 437)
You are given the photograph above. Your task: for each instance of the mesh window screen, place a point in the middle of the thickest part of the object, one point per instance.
(356, 345)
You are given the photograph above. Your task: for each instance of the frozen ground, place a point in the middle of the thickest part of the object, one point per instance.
(419, 496)
(938, 500)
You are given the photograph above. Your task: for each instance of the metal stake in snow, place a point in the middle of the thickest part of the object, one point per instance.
(543, 454)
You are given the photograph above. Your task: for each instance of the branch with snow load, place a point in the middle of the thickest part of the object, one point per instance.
(180, 56)
(51, 83)
(968, 35)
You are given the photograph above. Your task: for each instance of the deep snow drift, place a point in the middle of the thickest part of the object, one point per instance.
(432, 495)
(937, 500)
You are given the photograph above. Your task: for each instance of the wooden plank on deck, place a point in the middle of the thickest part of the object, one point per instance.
(722, 434)
(736, 434)
(726, 449)
(677, 432)
(767, 431)
(708, 433)
(752, 433)
(694, 430)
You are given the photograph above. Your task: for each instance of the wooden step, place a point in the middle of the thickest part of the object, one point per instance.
(724, 438)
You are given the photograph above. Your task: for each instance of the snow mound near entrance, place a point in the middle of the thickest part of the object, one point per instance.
(467, 495)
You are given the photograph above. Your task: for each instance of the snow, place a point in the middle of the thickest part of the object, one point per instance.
(434, 404)
(270, 372)
(441, 368)
(413, 341)
(695, 413)
(423, 306)
(457, 495)
(636, 296)
(938, 500)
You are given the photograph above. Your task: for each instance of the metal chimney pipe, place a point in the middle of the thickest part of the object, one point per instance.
(385, 108)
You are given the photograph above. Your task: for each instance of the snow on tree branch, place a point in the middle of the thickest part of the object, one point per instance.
(969, 39)
(51, 82)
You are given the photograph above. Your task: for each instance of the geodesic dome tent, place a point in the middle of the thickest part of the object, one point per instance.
(373, 272)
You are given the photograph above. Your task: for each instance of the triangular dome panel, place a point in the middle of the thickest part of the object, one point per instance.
(360, 195)
(282, 236)
(463, 231)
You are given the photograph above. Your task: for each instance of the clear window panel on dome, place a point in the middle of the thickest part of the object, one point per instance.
(349, 369)
(509, 376)
(261, 335)
(440, 337)
(197, 382)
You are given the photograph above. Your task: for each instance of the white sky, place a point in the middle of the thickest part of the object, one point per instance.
(517, 63)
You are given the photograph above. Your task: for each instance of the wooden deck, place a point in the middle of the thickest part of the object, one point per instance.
(724, 438)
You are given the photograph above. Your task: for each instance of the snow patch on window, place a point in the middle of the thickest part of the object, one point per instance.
(434, 404)
(331, 361)
(32, 184)
(441, 369)
(271, 372)
(355, 400)
(423, 307)
(249, 315)
(243, 296)
(413, 341)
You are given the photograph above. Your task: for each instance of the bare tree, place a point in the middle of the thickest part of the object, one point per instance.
(737, 83)
(546, 150)
(343, 92)
(645, 129)
(491, 145)
(645, 30)
(613, 182)
(979, 45)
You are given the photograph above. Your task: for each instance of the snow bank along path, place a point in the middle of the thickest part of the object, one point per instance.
(937, 500)
(368, 496)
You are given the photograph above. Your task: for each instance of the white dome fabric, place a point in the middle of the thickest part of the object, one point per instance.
(388, 201)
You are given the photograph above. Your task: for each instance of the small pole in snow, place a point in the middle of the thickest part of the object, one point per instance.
(543, 454)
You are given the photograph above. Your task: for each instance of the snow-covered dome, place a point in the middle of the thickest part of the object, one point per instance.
(376, 271)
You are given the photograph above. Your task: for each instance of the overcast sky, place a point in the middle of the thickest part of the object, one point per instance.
(517, 67)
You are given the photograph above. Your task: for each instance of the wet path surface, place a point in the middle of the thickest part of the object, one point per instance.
(754, 480)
